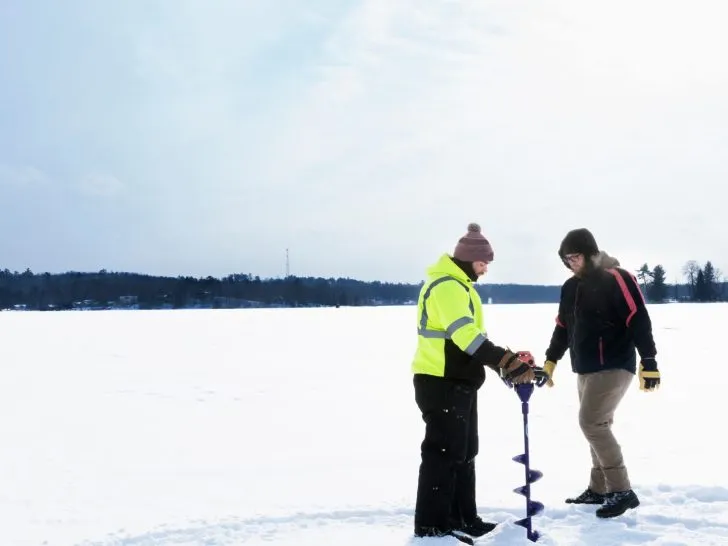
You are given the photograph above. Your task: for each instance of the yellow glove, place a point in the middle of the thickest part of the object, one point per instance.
(549, 367)
(649, 375)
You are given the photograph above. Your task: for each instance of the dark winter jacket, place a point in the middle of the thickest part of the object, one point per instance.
(602, 319)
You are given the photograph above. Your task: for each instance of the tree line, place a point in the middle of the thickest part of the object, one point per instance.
(703, 284)
(104, 290)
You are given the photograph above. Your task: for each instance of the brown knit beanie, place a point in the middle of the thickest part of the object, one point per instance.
(473, 246)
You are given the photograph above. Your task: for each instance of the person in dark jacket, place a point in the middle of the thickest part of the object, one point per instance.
(602, 321)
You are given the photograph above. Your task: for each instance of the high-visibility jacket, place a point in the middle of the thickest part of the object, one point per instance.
(450, 327)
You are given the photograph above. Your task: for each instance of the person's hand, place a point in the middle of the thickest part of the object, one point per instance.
(649, 375)
(549, 367)
(517, 368)
(542, 378)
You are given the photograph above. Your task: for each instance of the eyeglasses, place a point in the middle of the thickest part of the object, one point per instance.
(572, 258)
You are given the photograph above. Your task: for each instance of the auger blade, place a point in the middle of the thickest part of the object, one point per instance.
(521, 490)
(534, 508)
(534, 475)
(523, 522)
(520, 458)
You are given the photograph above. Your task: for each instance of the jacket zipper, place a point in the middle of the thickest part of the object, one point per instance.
(575, 311)
(601, 351)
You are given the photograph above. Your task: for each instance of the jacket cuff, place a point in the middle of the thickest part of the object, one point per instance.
(489, 354)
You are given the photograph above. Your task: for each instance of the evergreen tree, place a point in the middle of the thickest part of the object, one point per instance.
(657, 291)
(710, 282)
(644, 273)
(700, 293)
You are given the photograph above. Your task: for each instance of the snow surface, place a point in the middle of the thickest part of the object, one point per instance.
(298, 427)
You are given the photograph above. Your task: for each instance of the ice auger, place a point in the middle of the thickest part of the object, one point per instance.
(533, 507)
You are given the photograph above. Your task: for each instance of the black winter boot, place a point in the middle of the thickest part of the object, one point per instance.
(588, 497)
(618, 503)
(427, 531)
(476, 528)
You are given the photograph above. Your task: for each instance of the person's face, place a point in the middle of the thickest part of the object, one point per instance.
(480, 268)
(575, 261)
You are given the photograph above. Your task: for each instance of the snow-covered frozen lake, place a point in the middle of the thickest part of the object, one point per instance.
(298, 427)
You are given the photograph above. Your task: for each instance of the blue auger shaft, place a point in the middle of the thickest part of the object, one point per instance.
(532, 507)
(527, 466)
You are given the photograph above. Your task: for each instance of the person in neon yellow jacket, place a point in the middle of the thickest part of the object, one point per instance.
(448, 370)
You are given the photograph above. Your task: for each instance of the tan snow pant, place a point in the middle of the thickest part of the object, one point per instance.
(599, 395)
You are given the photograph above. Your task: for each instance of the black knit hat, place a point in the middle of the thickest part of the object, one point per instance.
(578, 241)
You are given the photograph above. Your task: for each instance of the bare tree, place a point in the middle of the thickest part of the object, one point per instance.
(690, 271)
(719, 283)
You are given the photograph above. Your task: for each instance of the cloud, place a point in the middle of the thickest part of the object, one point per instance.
(365, 135)
(101, 185)
(22, 176)
(529, 118)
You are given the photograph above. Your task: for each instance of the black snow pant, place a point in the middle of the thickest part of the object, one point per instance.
(446, 485)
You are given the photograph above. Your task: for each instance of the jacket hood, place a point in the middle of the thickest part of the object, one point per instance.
(578, 241)
(605, 261)
(599, 262)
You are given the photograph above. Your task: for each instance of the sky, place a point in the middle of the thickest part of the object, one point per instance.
(177, 137)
